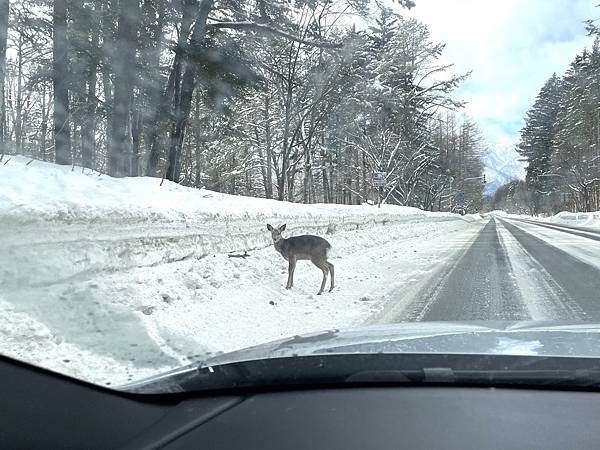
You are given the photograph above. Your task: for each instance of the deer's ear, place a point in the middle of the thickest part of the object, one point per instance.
(282, 227)
(269, 227)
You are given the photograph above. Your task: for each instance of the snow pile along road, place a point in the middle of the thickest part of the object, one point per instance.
(585, 220)
(589, 220)
(65, 223)
(112, 280)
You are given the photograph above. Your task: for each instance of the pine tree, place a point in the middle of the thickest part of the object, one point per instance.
(576, 153)
(537, 138)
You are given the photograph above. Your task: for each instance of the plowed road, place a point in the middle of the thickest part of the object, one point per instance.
(516, 270)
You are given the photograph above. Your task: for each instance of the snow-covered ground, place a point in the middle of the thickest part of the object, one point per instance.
(113, 280)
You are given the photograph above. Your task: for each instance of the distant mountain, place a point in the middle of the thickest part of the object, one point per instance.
(501, 166)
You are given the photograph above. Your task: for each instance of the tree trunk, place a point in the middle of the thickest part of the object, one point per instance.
(365, 181)
(136, 131)
(154, 133)
(88, 130)
(120, 151)
(43, 125)
(19, 98)
(198, 144)
(308, 179)
(291, 179)
(325, 177)
(285, 151)
(261, 157)
(107, 42)
(153, 23)
(4, 10)
(169, 97)
(60, 81)
(184, 92)
(269, 149)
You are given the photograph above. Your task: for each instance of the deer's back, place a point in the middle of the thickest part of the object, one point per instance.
(306, 246)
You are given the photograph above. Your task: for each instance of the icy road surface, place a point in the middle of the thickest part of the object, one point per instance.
(514, 270)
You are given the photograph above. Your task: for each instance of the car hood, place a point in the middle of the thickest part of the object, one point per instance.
(477, 338)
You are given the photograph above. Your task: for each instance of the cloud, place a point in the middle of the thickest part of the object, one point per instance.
(512, 47)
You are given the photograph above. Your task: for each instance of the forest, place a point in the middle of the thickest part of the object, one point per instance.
(561, 143)
(300, 100)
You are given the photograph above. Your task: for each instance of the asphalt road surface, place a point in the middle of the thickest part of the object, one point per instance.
(516, 270)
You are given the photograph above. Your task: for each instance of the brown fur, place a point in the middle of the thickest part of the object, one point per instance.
(305, 247)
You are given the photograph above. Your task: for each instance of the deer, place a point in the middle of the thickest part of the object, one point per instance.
(305, 247)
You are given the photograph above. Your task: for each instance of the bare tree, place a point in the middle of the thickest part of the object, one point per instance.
(60, 79)
(4, 11)
(89, 125)
(120, 151)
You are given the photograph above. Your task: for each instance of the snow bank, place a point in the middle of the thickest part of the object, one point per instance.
(93, 222)
(586, 220)
(590, 220)
(46, 192)
(497, 212)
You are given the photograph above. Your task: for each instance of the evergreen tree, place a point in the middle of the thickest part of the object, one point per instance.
(537, 139)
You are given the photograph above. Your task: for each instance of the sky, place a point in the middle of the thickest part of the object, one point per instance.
(512, 47)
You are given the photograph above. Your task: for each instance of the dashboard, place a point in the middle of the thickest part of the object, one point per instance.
(41, 409)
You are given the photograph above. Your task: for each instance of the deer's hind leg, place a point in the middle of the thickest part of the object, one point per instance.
(323, 265)
(332, 272)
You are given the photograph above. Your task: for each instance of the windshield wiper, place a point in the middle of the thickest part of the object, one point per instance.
(381, 369)
(241, 375)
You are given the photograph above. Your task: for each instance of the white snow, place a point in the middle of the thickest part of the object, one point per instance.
(502, 165)
(113, 280)
(590, 220)
(509, 346)
(581, 219)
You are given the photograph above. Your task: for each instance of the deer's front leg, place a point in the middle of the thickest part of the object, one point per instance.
(291, 268)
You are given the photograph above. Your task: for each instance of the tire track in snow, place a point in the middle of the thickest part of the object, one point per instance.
(479, 286)
(410, 303)
(544, 298)
(574, 285)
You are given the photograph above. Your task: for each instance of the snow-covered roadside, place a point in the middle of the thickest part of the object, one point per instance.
(115, 280)
(588, 220)
(585, 220)
(61, 223)
(125, 325)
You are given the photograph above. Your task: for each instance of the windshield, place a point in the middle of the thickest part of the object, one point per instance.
(184, 179)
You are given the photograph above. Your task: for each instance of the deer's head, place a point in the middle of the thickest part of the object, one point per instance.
(276, 232)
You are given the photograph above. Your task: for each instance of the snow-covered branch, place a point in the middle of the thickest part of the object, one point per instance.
(267, 29)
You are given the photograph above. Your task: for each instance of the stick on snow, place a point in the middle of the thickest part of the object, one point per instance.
(245, 255)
